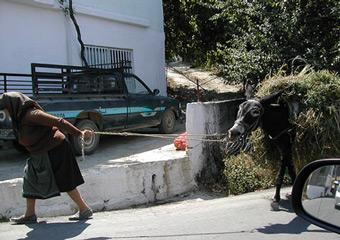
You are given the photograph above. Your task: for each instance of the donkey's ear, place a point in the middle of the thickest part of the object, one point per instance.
(270, 98)
(249, 90)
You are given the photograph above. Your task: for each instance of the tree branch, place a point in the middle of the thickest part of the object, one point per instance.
(82, 51)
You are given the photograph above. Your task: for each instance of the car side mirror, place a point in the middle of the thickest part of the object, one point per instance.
(155, 92)
(2, 115)
(316, 194)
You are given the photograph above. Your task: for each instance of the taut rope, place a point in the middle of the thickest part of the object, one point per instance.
(167, 136)
(164, 136)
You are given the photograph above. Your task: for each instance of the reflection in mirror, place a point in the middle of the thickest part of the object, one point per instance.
(321, 195)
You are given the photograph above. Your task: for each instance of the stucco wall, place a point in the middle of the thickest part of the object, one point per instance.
(157, 175)
(39, 31)
(207, 118)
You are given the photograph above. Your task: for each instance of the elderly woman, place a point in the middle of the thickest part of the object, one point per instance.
(52, 167)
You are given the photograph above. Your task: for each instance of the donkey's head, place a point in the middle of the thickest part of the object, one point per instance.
(250, 113)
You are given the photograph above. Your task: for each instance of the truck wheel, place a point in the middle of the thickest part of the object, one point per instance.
(91, 143)
(168, 122)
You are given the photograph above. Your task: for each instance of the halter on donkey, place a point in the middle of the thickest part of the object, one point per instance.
(273, 118)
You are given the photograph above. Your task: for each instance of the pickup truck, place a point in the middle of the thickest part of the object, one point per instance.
(98, 99)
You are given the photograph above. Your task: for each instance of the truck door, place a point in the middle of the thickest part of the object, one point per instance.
(114, 108)
(142, 104)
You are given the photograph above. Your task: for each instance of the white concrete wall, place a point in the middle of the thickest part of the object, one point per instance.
(207, 118)
(39, 31)
(199, 116)
(158, 175)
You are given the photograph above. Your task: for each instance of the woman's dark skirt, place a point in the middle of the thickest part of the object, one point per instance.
(65, 167)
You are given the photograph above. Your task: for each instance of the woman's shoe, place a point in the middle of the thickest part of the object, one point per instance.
(82, 216)
(24, 220)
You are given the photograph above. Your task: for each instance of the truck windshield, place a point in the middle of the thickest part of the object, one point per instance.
(134, 86)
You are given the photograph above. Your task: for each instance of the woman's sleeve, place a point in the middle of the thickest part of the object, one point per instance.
(37, 116)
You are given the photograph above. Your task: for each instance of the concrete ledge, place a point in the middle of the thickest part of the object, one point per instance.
(115, 186)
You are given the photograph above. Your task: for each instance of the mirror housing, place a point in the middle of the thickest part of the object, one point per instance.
(298, 192)
(155, 92)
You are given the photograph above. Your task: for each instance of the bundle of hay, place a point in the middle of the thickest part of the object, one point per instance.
(317, 123)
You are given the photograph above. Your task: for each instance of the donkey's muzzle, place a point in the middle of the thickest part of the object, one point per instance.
(235, 132)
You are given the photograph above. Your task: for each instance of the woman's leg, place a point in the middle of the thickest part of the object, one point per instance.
(29, 216)
(75, 196)
(30, 207)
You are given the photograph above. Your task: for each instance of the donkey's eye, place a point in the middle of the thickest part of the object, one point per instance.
(255, 113)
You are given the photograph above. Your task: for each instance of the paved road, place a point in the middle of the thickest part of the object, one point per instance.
(323, 208)
(197, 216)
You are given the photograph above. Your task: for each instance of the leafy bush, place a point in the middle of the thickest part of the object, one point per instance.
(250, 39)
(243, 175)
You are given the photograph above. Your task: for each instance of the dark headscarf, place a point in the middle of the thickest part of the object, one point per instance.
(17, 104)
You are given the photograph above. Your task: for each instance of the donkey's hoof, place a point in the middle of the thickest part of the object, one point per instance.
(274, 206)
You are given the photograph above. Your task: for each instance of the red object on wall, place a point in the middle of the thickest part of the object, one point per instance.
(181, 141)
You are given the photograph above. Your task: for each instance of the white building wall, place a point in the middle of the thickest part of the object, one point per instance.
(39, 31)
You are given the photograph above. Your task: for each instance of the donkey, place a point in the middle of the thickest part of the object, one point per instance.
(273, 118)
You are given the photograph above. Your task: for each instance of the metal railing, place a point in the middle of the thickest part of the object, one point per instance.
(65, 80)
(16, 82)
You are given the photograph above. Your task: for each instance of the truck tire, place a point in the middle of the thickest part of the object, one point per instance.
(91, 143)
(168, 122)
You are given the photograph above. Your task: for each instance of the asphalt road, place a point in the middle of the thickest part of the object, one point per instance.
(323, 208)
(197, 216)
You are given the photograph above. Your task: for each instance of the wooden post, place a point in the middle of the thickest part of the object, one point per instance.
(198, 91)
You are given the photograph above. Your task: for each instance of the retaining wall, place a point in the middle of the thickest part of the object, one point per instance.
(207, 118)
(159, 174)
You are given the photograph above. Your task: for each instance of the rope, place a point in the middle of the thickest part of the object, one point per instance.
(164, 136)
(234, 148)
(83, 148)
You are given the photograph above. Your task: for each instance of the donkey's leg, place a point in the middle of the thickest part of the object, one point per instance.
(286, 150)
(279, 180)
(291, 171)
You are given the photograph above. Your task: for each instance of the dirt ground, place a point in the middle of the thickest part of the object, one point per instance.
(182, 82)
(182, 74)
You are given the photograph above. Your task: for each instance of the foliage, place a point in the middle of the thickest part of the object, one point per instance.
(251, 39)
(190, 31)
(244, 175)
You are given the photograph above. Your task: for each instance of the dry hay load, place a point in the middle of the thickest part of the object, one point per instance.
(317, 127)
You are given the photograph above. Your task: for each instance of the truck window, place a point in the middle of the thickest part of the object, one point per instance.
(83, 83)
(91, 83)
(111, 84)
(134, 86)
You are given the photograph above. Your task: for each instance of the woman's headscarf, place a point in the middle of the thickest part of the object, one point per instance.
(17, 103)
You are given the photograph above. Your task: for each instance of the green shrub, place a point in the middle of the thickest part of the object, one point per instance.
(243, 175)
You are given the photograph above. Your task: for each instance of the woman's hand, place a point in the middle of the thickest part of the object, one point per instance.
(87, 133)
